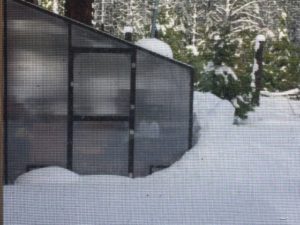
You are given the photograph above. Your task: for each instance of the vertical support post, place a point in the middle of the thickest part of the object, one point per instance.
(4, 86)
(132, 115)
(2, 14)
(70, 101)
(128, 33)
(192, 74)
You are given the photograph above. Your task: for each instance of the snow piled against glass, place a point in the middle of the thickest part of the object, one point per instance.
(234, 175)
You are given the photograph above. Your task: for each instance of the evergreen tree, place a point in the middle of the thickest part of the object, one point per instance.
(114, 15)
(282, 67)
(193, 22)
(224, 78)
(103, 15)
(237, 15)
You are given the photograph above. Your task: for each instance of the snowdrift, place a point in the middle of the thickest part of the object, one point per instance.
(234, 175)
(48, 175)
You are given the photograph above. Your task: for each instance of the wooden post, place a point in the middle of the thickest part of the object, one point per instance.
(128, 33)
(258, 68)
(1, 106)
(79, 10)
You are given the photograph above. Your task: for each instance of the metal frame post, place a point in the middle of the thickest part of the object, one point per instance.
(70, 101)
(132, 115)
(5, 87)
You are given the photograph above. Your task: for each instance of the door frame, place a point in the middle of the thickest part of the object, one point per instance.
(75, 118)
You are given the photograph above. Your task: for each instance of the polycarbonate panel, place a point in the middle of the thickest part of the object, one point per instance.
(101, 148)
(36, 88)
(82, 37)
(162, 112)
(101, 84)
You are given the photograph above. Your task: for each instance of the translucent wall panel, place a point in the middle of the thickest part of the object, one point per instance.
(37, 101)
(101, 84)
(82, 37)
(101, 148)
(37, 89)
(162, 112)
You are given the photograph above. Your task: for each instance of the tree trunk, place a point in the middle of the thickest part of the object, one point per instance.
(79, 10)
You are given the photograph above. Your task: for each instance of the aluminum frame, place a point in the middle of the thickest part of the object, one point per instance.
(132, 49)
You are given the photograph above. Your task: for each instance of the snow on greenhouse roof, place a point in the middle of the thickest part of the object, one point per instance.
(156, 45)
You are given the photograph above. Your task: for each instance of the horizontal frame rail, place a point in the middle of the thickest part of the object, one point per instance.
(101, 50)
(101, 118)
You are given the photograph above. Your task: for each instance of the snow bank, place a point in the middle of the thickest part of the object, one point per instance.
(157, 46)
(284, 93)
(48, 175)
(212, 111)
(234, 175)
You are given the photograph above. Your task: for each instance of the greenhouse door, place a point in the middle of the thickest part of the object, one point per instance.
(101, 111)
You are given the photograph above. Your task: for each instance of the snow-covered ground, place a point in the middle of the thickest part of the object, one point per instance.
(235, 175)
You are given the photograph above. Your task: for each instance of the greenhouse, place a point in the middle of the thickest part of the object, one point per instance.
(84, 100)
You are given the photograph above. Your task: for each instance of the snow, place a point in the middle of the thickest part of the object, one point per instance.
(234, 175)
(284, 93)
(48, 175)
(156, 46)
(217, 37)
(128, 29)
(255, 68)
(223, 71)
(270, 34)
(55, 6)
(259, 38)
(235, 103)
(284, 15)
(193, 49)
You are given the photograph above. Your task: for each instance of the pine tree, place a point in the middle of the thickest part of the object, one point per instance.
(282, 67)
(194, 23)
(224, 78)
(114, 15)
(237, 15)
(102, 16)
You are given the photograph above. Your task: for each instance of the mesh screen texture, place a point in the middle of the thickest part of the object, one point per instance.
(101, 148)
(36, 88)
(99, 131)
(86, 38)
(102, 84)
(79, 100)
(162, 112)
